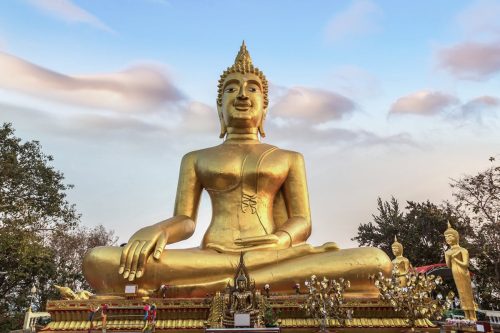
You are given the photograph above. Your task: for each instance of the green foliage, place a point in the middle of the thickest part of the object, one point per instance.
(271, 317)
(478, 198)
(41, 239)
(419, 228)
(475, 214)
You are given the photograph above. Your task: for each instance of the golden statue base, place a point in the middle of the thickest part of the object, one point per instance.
(196, 314)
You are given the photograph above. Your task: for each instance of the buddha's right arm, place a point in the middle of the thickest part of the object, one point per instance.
(152, 239)
(181, 226)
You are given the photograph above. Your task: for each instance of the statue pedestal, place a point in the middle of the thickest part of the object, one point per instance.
(240, 330)
(193, 315)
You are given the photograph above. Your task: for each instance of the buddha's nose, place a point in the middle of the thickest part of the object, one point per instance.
(241, 93)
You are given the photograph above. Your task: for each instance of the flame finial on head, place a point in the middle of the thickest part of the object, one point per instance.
(396, 243)
(451, 231)
(243, 57)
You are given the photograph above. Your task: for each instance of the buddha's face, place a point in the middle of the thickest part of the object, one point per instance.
(242, 101)
(450, 239)
(396, 250)
(241, 285)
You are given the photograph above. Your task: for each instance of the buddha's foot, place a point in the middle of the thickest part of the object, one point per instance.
(329, 246)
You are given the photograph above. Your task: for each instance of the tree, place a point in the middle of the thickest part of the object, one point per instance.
(41, 239)
(478, 198)
(420, 229)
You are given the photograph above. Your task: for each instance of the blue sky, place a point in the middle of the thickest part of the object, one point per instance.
(382, 97)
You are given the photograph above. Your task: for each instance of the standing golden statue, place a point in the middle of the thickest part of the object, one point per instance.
(401, 265)
(260, 206)
(457, 259)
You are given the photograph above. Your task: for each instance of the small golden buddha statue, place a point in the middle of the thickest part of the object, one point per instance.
(242, 294)
(260, 206)
(401, 265)
(242, 299)
(457, 259)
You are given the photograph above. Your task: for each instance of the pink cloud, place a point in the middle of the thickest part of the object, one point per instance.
(312, 105)
(359, 18)
(424, 103)
(70, 12)
(471, 60)
(478, 106)
(140, 88)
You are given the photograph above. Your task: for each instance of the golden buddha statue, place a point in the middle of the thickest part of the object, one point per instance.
(401, 265)
(457, 259)
(260, 206)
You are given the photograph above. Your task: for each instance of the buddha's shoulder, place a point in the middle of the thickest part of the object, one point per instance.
(204, 153)
(210, 152)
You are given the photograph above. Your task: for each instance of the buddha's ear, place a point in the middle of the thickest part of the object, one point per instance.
(261, 125)
(223, 128)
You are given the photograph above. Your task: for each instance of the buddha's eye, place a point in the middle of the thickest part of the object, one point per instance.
(230, 90)
(253, 88)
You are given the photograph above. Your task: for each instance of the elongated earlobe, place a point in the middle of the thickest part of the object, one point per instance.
(223, 128)
(261, 125)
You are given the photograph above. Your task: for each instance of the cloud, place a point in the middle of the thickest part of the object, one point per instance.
(307, 135)
(478, 56)
(424, 103)
(359, 18)
(70, 12)
(471, 60)
(477, 107)
(199, 117)
(312, 105)
(481, 17)
(140, 88)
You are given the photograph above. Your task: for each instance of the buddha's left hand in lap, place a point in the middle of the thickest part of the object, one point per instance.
(279, 240)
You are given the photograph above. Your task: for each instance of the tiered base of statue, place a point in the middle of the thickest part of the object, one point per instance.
(196, 314)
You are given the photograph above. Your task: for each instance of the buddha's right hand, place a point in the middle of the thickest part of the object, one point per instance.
(140, 247)
(153, 238)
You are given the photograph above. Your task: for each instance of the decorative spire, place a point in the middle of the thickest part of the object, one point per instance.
(243, 57)
(241, 270)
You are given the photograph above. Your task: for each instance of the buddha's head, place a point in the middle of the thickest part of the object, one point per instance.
(242, 96)
(397, 248)
(241, 283)
(451, 235)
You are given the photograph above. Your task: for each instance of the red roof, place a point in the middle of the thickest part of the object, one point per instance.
(425, 269)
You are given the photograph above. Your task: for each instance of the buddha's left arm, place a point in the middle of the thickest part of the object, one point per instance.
(296, 196)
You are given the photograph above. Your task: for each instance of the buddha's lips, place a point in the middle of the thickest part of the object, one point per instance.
(242, 106)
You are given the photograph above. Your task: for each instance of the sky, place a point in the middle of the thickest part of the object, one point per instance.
(383, 98)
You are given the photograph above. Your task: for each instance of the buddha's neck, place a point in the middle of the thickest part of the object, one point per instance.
(242, 135)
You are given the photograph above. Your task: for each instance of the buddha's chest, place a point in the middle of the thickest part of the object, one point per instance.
(226, 169)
